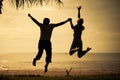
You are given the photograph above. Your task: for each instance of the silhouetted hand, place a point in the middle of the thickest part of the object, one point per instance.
(29, 15)
(79, 7)
(69, 19)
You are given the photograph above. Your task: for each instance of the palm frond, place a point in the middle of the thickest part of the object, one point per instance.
(29, 3)
(1, 6)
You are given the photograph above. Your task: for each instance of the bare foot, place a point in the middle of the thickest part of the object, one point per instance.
(34, 62)
(88, 49)
(81, 54)
(45, 69)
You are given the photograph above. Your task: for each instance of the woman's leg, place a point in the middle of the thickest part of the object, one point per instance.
(73, 48)
(82, 53)
(80, 49)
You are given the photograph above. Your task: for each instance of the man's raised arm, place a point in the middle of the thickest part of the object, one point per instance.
(61, 23)
(34, 20)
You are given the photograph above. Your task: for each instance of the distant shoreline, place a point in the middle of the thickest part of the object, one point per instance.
(91, 64)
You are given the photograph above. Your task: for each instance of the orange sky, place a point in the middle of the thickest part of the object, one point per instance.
(19, 34)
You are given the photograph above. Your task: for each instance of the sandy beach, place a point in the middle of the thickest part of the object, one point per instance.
(91, 67)
(59, 75)
(74, 72)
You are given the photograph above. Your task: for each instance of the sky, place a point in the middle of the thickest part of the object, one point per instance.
(101, 20)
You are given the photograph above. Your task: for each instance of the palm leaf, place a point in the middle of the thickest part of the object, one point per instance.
(29, 3)
(1, 6)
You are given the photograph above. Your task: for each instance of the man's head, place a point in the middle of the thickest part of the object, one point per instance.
(46, 21)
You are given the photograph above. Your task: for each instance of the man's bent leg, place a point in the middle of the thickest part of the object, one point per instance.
(39, 55)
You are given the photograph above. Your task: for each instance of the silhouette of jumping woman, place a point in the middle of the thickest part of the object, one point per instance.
(44, 42)
(77, 44)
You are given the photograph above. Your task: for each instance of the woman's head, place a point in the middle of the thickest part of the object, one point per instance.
(46, 21)
(80, 21)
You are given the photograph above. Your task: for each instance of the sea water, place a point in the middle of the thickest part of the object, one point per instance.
(90, 61)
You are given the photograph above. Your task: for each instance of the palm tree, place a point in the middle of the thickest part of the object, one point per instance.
(29, 3)
(1, 6)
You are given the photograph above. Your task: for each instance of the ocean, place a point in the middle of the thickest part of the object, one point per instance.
(62, 61)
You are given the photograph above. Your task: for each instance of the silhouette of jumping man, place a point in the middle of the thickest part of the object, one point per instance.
(44, 42)
(77, 44)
